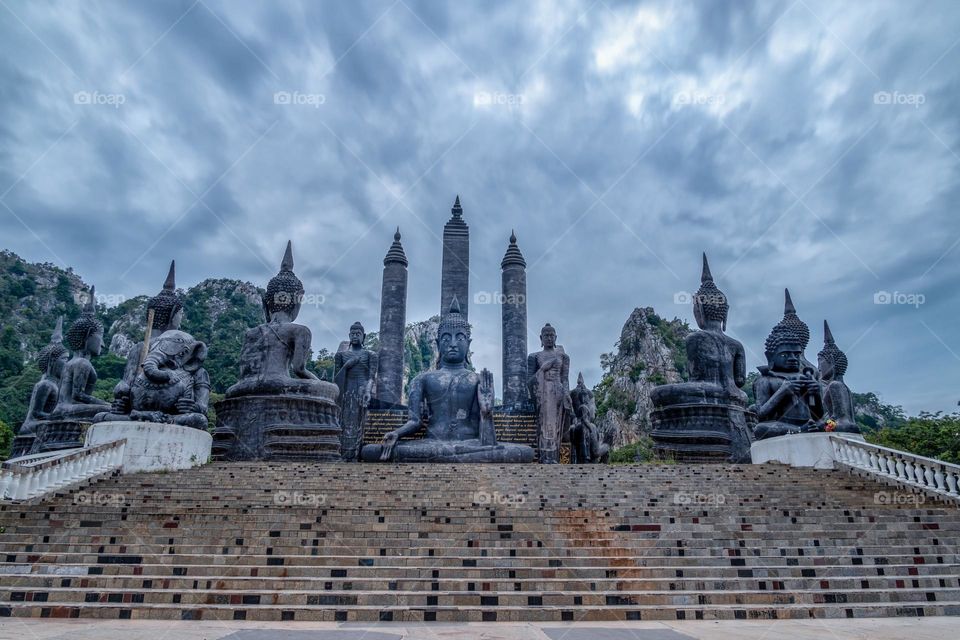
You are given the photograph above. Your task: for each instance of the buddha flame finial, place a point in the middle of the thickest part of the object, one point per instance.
(287, 263)
(705, 275)
(170, 284)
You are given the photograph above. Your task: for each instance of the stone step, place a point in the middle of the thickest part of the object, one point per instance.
(782, 611)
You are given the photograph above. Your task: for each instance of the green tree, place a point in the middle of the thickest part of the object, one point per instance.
(933, 435)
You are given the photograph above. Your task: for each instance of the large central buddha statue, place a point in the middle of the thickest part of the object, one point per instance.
(706, 418)
(278, 409)
(455, 407)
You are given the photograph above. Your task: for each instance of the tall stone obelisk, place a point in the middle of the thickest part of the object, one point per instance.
(514, 311)
(393, 318)
(455, 274)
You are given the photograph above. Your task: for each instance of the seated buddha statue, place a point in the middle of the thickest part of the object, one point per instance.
(705, 418)
(170, 385)
(715, 361)
(274, 356)
(453, 405)
(51, 361)
(788, 390)
(85, 339)
(837, 400)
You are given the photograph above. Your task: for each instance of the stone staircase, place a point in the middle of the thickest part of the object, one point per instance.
(337, 542)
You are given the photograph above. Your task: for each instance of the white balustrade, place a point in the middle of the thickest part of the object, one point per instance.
(911, 471)
(34, 475)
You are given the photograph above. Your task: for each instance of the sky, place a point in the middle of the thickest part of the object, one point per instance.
(810, 145)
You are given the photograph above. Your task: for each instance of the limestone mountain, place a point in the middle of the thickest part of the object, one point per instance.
(650, 352)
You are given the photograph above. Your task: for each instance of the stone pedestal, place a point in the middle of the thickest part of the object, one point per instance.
(798, 450)
(703, 431)
(153, 446)
(280, 427)
(54, 435)
(22, 445)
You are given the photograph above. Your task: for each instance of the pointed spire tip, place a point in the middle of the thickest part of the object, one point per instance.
(287, 263)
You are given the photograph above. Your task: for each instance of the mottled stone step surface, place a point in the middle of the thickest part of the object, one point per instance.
(335, 543)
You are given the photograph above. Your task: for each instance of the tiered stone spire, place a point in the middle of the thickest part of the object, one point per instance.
(514, 325)
(393, 317)
(455, 274)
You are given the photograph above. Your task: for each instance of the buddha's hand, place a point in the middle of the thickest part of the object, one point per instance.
(485, 393)
(387, 444)
(121, 404)
(365, 398)
(186, 405)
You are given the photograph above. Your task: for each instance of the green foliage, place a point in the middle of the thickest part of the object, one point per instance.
(15, 396)
(11, 356)
(637, 370)
(933, 435)
(748, 387)
(639, 451)
(612, 398)
(6, 439)
(323, 365)
(872, 414)
(211, 412)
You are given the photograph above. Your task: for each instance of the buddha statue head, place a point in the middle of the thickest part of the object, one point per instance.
(548, 336)
(453, 337)
(284, 291)
(167, 305)
(785, 345)
(710, 305)
(86, 332)
(52, 357)
(357, 335)
(831, 360)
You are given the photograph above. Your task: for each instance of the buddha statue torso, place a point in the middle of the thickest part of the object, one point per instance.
(355, 370)
(455, 405)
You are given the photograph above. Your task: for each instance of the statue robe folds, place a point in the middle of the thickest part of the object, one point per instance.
(355, 371)
(549, 389)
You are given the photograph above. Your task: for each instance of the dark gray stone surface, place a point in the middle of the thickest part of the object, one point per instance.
(393, 318)
(170, 385)
(455, 268)
(455, 403)
(355, 371)
(587, 444)
(837, 400)
(705, 419)
(514, 326)
(788, 390)
(85, 339)
(278, 410)
(549, 385)
(43, 399)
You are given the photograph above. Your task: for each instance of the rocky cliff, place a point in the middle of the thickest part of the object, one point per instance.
(650, 352)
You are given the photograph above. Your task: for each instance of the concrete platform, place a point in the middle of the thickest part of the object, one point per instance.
(154, 447)
(843, 629)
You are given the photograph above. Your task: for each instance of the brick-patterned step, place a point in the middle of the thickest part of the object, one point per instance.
(325, 542)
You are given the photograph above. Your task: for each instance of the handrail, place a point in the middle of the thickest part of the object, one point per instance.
(907, 469)
(34, 475)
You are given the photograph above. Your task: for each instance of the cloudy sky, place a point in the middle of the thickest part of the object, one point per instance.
(811, 145)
